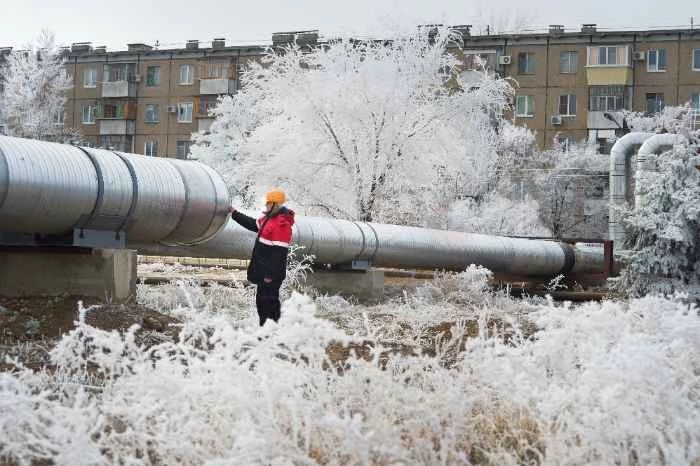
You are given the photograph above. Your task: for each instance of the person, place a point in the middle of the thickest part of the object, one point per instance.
(268, 262)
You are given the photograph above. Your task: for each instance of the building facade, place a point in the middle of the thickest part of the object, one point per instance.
(150, 101)
(570, 86)
(573, 86)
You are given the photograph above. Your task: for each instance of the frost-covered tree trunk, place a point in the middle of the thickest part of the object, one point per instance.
(358, 130)
(36, 87)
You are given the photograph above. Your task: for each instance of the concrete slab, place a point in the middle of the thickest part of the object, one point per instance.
(365, 285)
(108, 274)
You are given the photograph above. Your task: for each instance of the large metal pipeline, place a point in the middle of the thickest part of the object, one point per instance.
(333, 241)
(54, 189)
(50, 188)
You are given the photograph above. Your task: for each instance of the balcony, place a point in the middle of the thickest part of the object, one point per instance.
(117, 127)
(216, 86)
(609, 76)
(118, 89)
(609, 65)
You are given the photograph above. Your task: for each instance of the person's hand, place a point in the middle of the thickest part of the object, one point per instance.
(267, 280)
(231, 209)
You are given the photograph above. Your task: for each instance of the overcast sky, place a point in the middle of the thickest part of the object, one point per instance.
(172, 22)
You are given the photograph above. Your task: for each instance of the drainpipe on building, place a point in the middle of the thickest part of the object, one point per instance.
(619, 184)
(654, 145)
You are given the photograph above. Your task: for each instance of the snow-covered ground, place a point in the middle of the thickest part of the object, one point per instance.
(338, 382)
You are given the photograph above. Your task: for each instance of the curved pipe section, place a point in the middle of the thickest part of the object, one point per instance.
(52, 189)
(340, 242)
(654, 145)
(620, 154)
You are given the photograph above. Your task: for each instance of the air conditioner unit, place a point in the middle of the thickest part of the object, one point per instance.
(556, 119)
(505, 60)
(639, 56)
(172, 108)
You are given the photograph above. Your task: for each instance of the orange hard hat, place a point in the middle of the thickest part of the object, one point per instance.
(276, 196)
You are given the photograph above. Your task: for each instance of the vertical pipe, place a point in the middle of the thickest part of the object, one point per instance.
(619, 183)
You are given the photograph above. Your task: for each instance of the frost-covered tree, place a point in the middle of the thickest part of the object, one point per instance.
(663, 234)
(565, 180)
(35, 89)
(497, 215)
(366, 130)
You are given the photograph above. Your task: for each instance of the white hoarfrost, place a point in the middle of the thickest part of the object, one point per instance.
(451, 373)
(663, 234)
(360, 130)
(35, 90)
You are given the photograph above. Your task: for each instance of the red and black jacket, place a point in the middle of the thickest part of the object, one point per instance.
(269, 258)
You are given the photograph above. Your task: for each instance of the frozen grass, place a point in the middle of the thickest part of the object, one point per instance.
(610, 383)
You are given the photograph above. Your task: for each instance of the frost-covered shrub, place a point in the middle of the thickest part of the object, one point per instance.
(610, 383)
(663, 234)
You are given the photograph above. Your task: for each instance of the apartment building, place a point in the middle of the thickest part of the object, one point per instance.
(150, 101)
(571, 86)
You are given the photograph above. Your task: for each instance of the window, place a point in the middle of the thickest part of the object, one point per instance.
(58, 117)
(479, 61)
(609, 98)
(608, 56)
(564, 143)
(568, 62)
(151, 148)
(206, 105)
(656, 60)
(525, 106)
(183, 149)
(184, 112)
(214, 70)
(118, 72)
(89, 77)
(694, 106)
(655, 102)
(696, 60)
(88, 114)
(567, 105)
(111, 110)
(186, 74)
(526, 63)
(123, 143)
(153, 76)
(152, 113)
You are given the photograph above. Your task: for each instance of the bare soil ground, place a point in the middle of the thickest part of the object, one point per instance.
(31, 326)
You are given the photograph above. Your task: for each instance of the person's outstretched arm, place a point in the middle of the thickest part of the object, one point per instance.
(243, 220)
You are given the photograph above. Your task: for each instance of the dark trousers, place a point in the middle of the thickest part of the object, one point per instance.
(267, 300)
